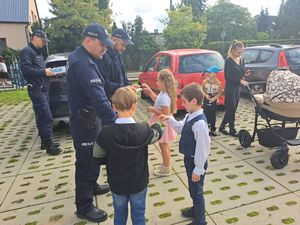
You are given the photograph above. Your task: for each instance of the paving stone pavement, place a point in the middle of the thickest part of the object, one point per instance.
(241, 186)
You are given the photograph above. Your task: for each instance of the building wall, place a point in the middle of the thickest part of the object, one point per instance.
(14, 34)
(33, 14)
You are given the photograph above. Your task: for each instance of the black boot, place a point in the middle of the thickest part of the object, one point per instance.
(43, 144)
(233, 133)
(51, 148)
(223, 130)
(95, 215)
(100, 189)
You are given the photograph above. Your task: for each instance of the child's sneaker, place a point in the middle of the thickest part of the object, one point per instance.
(212, 133)
(156, 167)
(163, 171)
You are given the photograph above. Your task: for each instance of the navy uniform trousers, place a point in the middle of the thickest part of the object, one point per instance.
(41, 108)
(87, 168)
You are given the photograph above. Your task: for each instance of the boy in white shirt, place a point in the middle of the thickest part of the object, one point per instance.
(194, 143)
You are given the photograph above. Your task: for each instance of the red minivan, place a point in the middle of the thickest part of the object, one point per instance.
(187, 65)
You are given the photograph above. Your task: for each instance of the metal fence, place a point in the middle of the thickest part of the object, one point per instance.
(16, 76)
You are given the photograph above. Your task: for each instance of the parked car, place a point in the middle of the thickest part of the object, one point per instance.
(261, 60)
(58, 98)
(187, 66)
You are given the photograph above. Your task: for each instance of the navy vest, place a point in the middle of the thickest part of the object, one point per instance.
(187, 142)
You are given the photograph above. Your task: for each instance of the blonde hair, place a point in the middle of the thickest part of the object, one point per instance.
(191, 91)
(167, 77)
(234, 45)
(124, 98)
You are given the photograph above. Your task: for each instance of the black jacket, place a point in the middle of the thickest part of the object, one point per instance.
(33, 66)
(113, 70)
(126, 147)
(233, 72)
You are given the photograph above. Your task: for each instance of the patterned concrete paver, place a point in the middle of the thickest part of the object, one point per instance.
(241, 187)
(279, 210)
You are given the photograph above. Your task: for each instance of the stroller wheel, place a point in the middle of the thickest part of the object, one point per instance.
(279, 159)
(245, 138)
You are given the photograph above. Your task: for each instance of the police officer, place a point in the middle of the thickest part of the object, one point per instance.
(89, 108)
(37, 76)
(112, 66)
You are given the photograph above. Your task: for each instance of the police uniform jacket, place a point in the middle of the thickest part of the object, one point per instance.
(33, 66)
(113, 70)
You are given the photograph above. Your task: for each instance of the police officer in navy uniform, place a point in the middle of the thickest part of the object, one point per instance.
(89, 109)
(112, 66)
(37, 76)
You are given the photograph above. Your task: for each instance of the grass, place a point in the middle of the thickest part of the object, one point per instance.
(13, 97)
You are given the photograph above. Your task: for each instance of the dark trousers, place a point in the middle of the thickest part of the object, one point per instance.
(43, 116)
(210, 111)
(87, 168)
(232, 96)
(196, 191)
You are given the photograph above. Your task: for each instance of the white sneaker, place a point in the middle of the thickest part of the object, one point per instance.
(163, 171)
(156, 167)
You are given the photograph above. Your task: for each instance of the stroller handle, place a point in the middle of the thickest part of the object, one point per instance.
(250, 91)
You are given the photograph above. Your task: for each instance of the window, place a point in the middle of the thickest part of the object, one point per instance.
(251, 56)
(164, 62)
(265, 56)
(293, 56)
(152, 65)
(199, 62)
(3, 44)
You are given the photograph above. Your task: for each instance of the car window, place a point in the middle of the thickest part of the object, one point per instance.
(199, 62)
(152, 65)
(265, 55)
(164, 62)
(250, 56)
(293, 56)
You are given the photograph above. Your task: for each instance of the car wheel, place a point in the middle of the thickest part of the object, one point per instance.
(245, 138)
(258, 89)
(279, 159)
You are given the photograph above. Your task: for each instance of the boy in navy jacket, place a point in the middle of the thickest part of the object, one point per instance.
(125, 145)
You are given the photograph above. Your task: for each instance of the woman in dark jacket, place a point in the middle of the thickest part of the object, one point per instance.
(234, 73)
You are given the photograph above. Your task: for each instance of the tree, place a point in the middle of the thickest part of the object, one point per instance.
(181, 31)
(70, 19)
(198, 7)
(144, 44)
(289, 19)
(234, 19)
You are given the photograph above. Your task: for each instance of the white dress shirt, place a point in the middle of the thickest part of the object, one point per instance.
(127, 120)
(201, 135)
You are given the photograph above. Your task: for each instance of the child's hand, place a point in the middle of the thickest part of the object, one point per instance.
(135, 86)
(145, 86)
(195, 178)
(150, 109)
(163, 117)
(207, 97)
(213, 100)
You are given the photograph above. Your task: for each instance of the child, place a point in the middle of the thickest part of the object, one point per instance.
(125, 145)
(194, 143)
(212, 89)
(164, 103)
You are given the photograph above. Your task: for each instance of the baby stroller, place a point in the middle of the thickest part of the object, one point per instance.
(279, 130)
